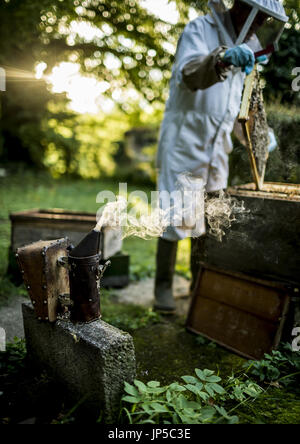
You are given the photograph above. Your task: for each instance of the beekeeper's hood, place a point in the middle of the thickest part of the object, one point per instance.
(269, 33)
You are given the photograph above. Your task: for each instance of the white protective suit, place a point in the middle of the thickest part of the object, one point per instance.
(195, 135)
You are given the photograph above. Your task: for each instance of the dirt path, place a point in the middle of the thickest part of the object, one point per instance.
(11, 318)
(138, 293)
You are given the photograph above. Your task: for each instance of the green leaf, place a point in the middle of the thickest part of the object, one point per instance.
(179, 402)
(190, 412)
(169, 396)
(177, 387)
(203, 396)
(153, 384)
(209, 390)
(185, 419)
(190, 379)
(147, 408)
(193, 389)
(222, 411)
(207, 413)
(158, 390)
(141, 386)
(213, 379)
(208, 372)
(195, 405)
(233, 420)
(160, 408)
(131, 399)
(200, 374)
(131, 390)
(216, 388)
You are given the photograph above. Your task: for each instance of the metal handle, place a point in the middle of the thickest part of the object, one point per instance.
(102, 268)
(64, 262)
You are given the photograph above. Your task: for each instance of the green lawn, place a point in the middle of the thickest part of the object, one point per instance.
(26, 190)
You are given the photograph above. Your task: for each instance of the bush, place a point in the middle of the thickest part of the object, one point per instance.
(283, 163)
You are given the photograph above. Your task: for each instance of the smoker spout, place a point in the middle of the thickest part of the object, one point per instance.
(89, 246)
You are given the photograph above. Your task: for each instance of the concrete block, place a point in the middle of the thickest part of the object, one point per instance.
(92, 361)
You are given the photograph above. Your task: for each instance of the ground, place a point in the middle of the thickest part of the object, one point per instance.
(165, 350)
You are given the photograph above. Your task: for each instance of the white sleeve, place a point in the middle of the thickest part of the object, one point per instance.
(204, 71)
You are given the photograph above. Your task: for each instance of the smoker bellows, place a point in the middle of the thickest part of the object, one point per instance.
(58, 276)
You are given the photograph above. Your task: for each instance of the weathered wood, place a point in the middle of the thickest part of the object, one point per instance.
(44, 279)
(264, 241)
(244, 314)
(255, 127)
(34, 225)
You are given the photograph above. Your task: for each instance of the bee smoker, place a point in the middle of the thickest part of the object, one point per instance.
(85, 272)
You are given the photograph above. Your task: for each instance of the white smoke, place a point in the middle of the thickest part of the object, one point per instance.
(148, 224)
(189, 211)
(221, 212)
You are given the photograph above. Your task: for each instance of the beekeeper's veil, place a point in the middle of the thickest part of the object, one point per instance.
(269, 33)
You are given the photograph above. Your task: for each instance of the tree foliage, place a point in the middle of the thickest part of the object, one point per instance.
(140, 45)
(123, 45)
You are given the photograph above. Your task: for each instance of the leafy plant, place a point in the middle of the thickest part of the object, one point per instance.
(242, 390)
(194, 402)
(13, 359)
(283, 366)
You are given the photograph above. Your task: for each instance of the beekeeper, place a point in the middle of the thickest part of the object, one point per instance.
(214, 54)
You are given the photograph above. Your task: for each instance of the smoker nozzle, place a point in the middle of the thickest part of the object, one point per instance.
(89, 246)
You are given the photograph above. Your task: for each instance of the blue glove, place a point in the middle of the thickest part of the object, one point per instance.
(241, 56)
(261, 59)
(273, 142)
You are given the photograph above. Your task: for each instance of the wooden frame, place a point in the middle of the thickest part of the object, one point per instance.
(240, 312)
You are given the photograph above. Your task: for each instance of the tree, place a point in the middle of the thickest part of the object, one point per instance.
(33, 31)
(278, 72)
(126, 47)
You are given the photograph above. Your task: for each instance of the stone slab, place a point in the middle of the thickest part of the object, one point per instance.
(92, 361)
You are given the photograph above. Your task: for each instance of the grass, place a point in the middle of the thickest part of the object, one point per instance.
(26, 190)
(165, 351)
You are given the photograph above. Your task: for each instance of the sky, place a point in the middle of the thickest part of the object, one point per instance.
(66, 77)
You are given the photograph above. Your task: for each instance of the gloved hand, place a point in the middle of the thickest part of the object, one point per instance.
(241, 56)
(261, 59)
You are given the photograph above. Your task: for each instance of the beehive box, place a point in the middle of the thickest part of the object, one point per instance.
(265, 240)
(34, 225)
(246, 315)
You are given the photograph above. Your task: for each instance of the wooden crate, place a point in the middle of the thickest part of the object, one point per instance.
(242, 313)
(265, 241)
(34, 225)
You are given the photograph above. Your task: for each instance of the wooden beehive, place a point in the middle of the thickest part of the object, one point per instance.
(265, 240)
(242, 313)
(249, 282)
(33, 225)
